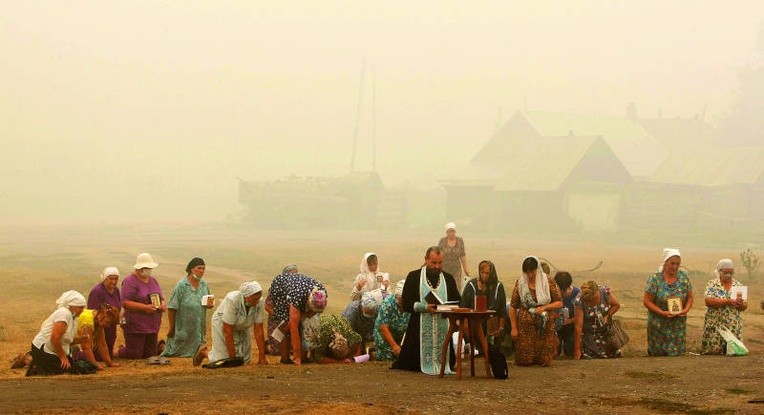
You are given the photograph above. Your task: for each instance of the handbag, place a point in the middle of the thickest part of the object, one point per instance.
(616, 333)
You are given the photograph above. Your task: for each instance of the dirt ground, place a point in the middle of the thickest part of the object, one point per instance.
(41, 263)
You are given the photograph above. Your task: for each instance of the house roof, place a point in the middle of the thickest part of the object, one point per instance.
(640, 152)
(678, 133)
(530, 165)
(713, 166)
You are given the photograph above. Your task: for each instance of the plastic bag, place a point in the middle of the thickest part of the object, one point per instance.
(734, 346)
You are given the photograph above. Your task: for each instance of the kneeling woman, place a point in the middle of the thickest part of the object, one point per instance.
(594, 311)
(232, 326)
(51, 347)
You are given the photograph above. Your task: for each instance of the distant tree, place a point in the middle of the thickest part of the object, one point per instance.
(745, 123)
(750, 261)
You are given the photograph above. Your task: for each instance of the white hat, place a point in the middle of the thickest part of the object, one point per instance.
(144, 260)
(450, 225)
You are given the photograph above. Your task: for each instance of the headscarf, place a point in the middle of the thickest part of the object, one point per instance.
(289, 268)
(450, 225)
(668, 253)
(317, 300)
(193, 264)
(723, 264)
(399, 287)
(108, 272)
(542, 288)
(371, 301)
(338, 346)
(71, 298)
(493, 277)
(365, 264)
(250, 288)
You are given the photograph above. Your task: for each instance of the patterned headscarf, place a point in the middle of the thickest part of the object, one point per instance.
(371, 301)
(195, 262)
(250, 288)
(317, 300)
(108, 272)
(71, 299)
(289, 269)
(339, 346)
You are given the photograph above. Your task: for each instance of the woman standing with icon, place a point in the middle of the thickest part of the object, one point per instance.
(668, 298)
(144, 304)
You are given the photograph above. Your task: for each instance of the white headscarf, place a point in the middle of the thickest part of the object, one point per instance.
(399, 287)
(723, 264)
(71, 299)
(668, 253)
(365, 264)
(450, 225)
(250, 288)
(108, 272)
(542, 287)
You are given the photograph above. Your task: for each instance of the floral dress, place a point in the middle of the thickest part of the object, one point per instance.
(727, 316)
(595, 341)
(396, 321)
(452, 257)
(667, 336)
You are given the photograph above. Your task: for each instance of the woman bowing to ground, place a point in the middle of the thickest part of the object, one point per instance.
(238, 318)
(668, 298)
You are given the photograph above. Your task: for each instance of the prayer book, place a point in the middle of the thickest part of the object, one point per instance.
(433, 298)
(739, 293)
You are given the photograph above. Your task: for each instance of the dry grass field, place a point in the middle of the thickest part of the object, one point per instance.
(40, 263)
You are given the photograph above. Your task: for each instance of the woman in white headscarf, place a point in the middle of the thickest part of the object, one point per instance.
(723, 310)
(51, 346)
(668, 298)
(370, 278)
(232, 326)
(535, 299)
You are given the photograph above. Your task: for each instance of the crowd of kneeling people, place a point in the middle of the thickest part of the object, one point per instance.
(545, 317)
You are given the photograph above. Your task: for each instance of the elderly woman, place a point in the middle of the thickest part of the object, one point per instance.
(667, 329)
(488, 285)
(594, 310)
(51, 347)
(186, 314)
(362, 314)
(532, 315)
(295, 297)
(144, 304)
(454, 254)
(722, 310)
(334, 341)
(273, 345)
(370, 278)
(390, 325)
(232, 327)
(106, 292)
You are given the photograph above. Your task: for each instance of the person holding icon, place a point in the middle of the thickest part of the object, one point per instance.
(723, 309)
(187, 312)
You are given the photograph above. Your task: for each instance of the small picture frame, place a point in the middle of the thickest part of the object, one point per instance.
(156, 300)
(674, 305)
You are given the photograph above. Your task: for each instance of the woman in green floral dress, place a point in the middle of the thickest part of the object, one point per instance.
(667, 330)
(722, 310)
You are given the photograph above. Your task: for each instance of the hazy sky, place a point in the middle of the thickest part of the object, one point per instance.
(114, 108)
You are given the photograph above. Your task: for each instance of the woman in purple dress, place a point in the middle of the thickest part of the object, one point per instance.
(106, 292)
(144, 304)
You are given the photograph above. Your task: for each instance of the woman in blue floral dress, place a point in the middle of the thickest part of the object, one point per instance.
(722, 310)
(391, 325)
(667, 330)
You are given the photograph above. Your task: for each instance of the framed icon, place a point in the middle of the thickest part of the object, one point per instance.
(156, 301)
(674, 305)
